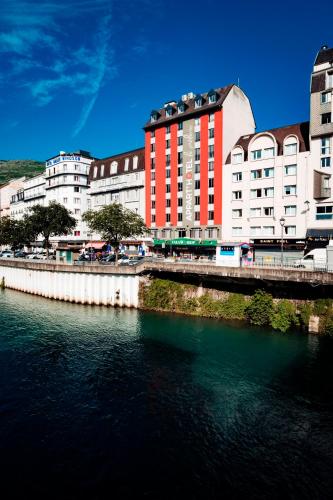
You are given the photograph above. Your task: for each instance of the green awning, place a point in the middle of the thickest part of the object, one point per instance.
(184, 242)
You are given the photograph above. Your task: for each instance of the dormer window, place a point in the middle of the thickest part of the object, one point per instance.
(181, 107)
(169, 111)
(212, 96)
(198, 101)
(154, 116)
(114, 167)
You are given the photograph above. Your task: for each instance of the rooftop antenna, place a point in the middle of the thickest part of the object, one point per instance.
(238, 81)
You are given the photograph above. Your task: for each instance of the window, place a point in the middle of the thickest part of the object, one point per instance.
(325, 146)
(255, 212)
(180, 217)
(77, 233)
(168, 173)
(76, 189)
(152, 147)
(211, 117)
(290, 149)
(268, 172)
(168, 218)
(289, 190)
(180, 202)
(211, 215)
(152, 176)
(197, 121)
(77, 211)
(180, 186)
(95, 172)
(168, 188)
(169, 111)
(167, 160)
(65, 200)
(236, 231)
(180, 140)
(325, 118)
(180, 125)
(269, 230)
(237, 177)
(236, 214)
(197, 168)
(325, 162)
(290, 210)
(268, 211)
(290, 230)
(210, 166)
(196, 215)
(324, 213)
(197, 154)
(212, 98)
(256, 174)
(198, 102)
(197, 200)
(152, 190)
(102, 170)
(211, 151)
(197, 184)
(211, 133)
(182, 233)
(153, 204)
(153, 218)
(237, 195)
(197, 136)
(268, 192)
(167, 143)
(77, 201)
(255, 231)
(167, 130)
(256, 155)
(168, 203)
(329, 80)
(181, 108)
(255, 193)
(325, 97)
(180, 157)
(269, 152)
(180, 171)
(210, 198)
(290, 170)
(152, 163)
(237, 158)
(211, 182)
(152, 133)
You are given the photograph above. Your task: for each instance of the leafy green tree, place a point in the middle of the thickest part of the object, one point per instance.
(16, 233)
(260, 309)
(51, 220)
(114, 223)
(284, 316)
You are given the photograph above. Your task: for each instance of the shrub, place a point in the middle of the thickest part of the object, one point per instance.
(305, 311)
(260, 308)
(321, 306)
(284, 316)
(234, 306)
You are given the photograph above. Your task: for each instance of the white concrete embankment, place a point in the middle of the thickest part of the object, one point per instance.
(68, 283)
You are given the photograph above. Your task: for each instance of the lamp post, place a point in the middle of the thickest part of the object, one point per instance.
(282, 223)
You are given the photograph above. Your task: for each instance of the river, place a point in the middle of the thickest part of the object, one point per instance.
(103, 403)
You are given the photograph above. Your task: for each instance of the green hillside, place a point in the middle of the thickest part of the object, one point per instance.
(12, 169)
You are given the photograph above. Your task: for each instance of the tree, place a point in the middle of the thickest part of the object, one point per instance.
(51, 220)
(260, 309)
(16, 233)
(115, 223)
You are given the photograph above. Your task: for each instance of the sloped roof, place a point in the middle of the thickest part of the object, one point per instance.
(324, 55)
(300, 130)
(120, 159)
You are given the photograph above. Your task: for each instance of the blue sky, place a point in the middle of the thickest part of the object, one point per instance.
(86, 73)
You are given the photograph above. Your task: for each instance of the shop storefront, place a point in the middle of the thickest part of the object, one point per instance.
(185, 248)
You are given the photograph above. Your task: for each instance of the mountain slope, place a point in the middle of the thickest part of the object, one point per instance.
(12, 169)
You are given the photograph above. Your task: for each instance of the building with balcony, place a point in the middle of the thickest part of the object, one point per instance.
(267, 188)
(7, 191)
(320, 227)
(186, 145)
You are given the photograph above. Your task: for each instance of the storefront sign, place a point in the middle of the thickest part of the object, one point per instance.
(58, 159)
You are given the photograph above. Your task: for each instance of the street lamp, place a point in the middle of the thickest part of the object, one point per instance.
(282, 223)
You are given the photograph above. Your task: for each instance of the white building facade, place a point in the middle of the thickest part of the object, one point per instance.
(267, 188)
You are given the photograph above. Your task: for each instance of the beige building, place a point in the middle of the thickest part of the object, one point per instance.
(6, 192)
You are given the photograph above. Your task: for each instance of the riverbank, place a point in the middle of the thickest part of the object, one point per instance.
(259, 309)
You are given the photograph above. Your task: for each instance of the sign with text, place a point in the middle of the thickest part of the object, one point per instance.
(188, 172)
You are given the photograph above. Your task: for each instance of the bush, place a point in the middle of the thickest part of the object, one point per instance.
(305, 311)
(163, 294)
(260, 309)
(284, 316)
(322, 306)
(234, 306)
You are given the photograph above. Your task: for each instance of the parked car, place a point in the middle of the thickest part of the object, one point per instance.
(315, 259)
(7, 254)
(20, 254)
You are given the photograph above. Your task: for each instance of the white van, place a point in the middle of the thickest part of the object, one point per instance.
(315, 259)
